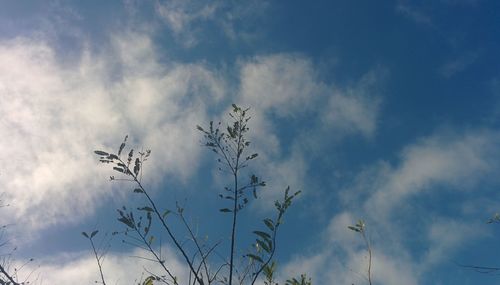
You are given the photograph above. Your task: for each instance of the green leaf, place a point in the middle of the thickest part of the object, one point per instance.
(93, 234)
(269, 223)
(166, 213)
(85, 234)
(122, 145)
(147, 209)
(112, 156)
(138, 190)
(264, 246)
(225, 210)
(137, 166)
(263, 235)
(119, 169)
(251, 156)
(255, 257)
(127, 222)
(353, 228)
(100, 152)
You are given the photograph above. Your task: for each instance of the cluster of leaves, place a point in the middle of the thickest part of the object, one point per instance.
(138, 229)
(125, 166)
(231, 146)
(303, 280)
(265, 245)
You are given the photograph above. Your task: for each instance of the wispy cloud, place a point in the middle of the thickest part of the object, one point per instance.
(387, 196)
(288, 86)
(408, 10)
(189, 20)
(80, 268)
(55, 114)
(458, 64)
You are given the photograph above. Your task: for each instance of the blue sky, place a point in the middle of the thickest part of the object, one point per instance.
(381, 110)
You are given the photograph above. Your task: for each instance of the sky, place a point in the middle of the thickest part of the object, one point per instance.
(386, 111)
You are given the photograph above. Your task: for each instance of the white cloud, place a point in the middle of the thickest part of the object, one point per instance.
(55, 114)
(182, 17)
(81, 268)
(447, 164)
(446, 235)
(415, 14)
(283, 83)
(457, 65)
(288, 86)
(449, 160)
(356, 109)
(190, 19)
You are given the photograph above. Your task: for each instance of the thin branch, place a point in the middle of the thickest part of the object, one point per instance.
(10, 278)
(195, 240)
(98, 260)
(162, 263)
(164, 224)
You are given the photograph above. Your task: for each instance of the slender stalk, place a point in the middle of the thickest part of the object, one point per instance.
(167, 228)
(368, 246)
(98, 261)
(235, 207)
(233, 233)
(162, 263)
(195, 240)
(10, 278)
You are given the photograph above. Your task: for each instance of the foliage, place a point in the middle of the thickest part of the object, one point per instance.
(232, 148)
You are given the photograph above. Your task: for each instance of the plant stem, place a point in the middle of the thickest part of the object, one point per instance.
(98, 261)
(233, 234)
(169, 232)
(368, 246)
(2, 270)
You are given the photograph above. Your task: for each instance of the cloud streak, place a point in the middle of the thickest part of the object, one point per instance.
(453, 164)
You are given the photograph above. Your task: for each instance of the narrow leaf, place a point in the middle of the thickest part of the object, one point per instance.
(269, 224)
(263, 245)
(166, 213)
(353, 228)
(263, 235)
(255, 257)
(119, 169)
(147, 209)
(100, 152)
